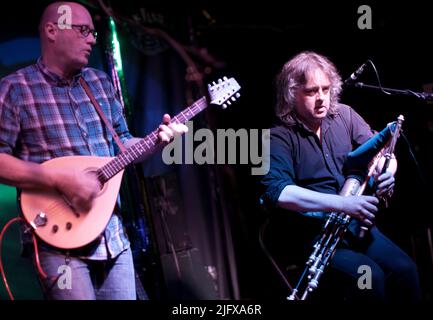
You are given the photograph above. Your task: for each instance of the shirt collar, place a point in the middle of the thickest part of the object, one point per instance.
(326, 122)
(54, 78)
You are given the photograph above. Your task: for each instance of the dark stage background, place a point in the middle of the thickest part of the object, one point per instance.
(212, 213)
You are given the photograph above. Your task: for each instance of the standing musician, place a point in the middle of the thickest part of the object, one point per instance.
(45, 114)
(308, 151)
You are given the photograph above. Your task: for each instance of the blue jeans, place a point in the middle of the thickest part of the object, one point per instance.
(71, 278)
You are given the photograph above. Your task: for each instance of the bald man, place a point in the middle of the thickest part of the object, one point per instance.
(44, 114)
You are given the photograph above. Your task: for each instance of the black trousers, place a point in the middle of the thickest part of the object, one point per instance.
(376, 269)
(371, 269)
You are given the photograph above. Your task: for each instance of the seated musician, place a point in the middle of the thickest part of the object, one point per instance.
(308, 151)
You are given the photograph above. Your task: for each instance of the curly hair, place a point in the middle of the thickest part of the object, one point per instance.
(293, 76)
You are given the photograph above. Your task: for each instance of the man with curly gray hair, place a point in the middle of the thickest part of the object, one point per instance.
(293, 76)
(308, 150)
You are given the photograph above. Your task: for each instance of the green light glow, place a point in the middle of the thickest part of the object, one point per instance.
(116, 47)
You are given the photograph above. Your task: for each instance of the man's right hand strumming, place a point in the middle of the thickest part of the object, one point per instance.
(77, 187)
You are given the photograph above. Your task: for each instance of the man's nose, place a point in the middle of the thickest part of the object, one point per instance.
(91, 39)
(320, 94)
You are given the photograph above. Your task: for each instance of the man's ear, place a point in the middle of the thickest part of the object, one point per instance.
(50, 31)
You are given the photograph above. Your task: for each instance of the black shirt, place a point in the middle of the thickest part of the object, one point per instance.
(298, 157)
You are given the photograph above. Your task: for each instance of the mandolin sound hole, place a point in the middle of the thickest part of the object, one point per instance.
(93, 170)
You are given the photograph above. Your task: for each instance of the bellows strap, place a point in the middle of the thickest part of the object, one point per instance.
(101, 114)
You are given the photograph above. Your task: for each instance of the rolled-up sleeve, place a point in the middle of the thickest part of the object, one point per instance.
(119, 121)
(281, 172)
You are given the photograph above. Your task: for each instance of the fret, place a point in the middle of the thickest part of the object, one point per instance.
(117, 165)
(123, 161)
(133, 150)
(191, 111)
(145, 141)
(153, 137)
(108, 169)
(106, 174)
(101, 175)
(136, 152)
(131, 157)
(183, 116)
(127, 156)
(112, 167)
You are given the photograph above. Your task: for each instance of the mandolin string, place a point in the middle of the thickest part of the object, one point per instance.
(55, 205)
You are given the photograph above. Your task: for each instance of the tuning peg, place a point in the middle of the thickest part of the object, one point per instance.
(220, 81)
(233, 98)
(228, 102)
(209, 87)
(214, 83)
(224, 106)
(237, 95)
(225, 78)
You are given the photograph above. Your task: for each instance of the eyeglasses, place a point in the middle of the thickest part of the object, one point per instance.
(84, 29)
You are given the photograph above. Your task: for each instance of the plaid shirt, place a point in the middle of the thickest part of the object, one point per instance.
(42, 116)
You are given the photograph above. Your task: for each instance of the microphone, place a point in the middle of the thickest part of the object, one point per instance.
(354, 76)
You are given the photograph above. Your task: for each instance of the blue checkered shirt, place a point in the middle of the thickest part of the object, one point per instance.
(42, 116)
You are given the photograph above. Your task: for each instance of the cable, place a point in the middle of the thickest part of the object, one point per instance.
(1, 260)
(419, 95)
(38, 264)
(418, 167)
(272, 260)
(35, 244)
(378, 78)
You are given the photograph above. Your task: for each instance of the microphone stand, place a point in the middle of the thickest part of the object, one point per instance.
(420, 95)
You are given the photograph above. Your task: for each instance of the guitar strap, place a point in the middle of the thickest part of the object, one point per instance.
(101, 114)
(104, 118)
